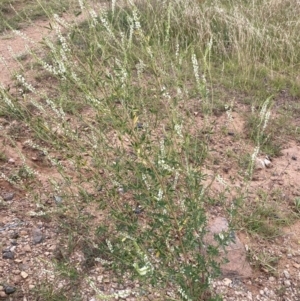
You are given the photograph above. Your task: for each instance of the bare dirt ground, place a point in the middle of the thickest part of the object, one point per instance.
(29, 242)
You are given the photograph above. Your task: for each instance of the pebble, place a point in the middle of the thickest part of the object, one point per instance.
(9, 289)
(11, 161)
(3, 295)
(287, 283)
(23, 267)
(262, 292)
(259, 164)
(14, 235)
(27, 248)
(267, 163)
(14, 242)
(57, 199)
(296, 265)
(17, 279)
(37, 236)
(139, 125)
(8, 196)
(286, 274)
(23, 232)
(24, 275)
(227, 281)
(8, 254)
(271, 279)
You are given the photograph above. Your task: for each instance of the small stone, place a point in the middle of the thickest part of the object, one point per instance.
(27, 248)
(14, 242)
(14, 235)
(3, 295)
(37, 236)
(7, 254)
(261, 292)
(259, 164)
(9, 289)
(11, 161)
(52, 247)
(139, 125)
(227, 281)
(296, 265)
(1, 288)
(287, 283)
(289, 256)
(16, 272)
(23, 232)
(238, 293)
(138, 210)
(57, 199)
(286, 274)
(271, 279)
(23, 267)
(24, 275)
(267, 163)
(31, 286)
(8, 196)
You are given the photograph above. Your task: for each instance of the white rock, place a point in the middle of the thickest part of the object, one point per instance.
(24, 275)
(262, 292)
(267, 163)
(271, 279)
(286, 274)
(227, 281)
(259, 164)
(287, 283)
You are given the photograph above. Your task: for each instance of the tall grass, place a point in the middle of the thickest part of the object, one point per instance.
(124, 85)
